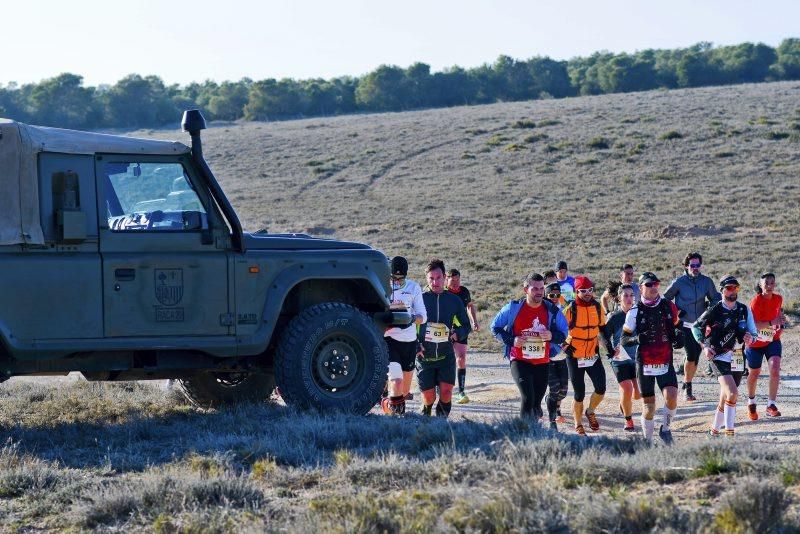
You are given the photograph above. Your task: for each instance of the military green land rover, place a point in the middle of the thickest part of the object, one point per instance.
(121, 258)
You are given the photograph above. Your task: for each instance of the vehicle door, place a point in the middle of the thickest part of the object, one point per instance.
(164, 271)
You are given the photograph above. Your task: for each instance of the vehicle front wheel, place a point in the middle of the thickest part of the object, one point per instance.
(332, 357)
(210, 390)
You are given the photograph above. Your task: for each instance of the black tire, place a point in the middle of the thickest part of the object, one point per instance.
(331, 357)
(212, 390)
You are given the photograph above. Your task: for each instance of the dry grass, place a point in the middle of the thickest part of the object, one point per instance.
(263, 467)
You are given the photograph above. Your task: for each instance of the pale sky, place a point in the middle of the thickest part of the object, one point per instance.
(183, 41)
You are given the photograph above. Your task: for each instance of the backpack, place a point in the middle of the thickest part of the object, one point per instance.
(665, 310)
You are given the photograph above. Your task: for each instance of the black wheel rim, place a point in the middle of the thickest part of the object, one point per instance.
(337, 364)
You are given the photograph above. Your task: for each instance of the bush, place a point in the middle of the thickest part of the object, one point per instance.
(599, 143)
(752, 505)
(672, 134)
(523, 123)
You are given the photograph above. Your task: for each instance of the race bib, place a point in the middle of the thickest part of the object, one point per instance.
(587, 362)
(655, 369)
(766, 335)
(737, 361)
(687, 324)
(533, 349)
(436, 333)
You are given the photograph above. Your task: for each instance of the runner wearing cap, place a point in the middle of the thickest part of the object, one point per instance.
(402, 341)
(693, 293)
(558, 373)
(586, 321)
(436, 360)
(767, 310)
(566, 281)
(721, 330)
(454, 286)
(623, 364)
(653, 324)
(530, 328)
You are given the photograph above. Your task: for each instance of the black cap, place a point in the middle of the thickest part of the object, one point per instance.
(453, 272)
(552, 287)
(767, 274)
(561, 264)
(647, 276)
(399, 266)
(728, 280)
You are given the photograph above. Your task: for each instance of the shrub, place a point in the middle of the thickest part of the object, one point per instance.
(549, 122)
(637, 149)
(724, 154)
(514, 147)
(672, 134)
(598, 143)
(532, 138)
(752, 505)
(467, 155)
(523, 123)
(776, 136)
(496, 140)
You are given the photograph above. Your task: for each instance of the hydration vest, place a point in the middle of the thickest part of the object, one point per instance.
(727, 327)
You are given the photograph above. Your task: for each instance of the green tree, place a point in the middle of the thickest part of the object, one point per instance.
(382, 90)
(63, 101)
(787, 65)
(137, 101)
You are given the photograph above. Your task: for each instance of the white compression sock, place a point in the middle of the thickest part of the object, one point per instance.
(751, 400)
(719, 419)
(730, 415)
(667, 416)
(770, 402)
(647, 428)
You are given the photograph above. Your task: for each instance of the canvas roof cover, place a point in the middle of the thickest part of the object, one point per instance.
(19, 190)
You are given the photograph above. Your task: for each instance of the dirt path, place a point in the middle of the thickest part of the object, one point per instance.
(493, 394)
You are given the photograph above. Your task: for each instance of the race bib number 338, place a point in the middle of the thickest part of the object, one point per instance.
(533, 349)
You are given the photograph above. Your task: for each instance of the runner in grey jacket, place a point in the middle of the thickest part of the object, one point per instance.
(693, 293)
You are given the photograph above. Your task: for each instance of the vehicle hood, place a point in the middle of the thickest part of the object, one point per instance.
(264, 241)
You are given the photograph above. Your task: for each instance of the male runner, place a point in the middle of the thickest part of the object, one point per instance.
(454, 286)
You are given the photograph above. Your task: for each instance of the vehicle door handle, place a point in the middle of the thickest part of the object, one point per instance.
(125, 275)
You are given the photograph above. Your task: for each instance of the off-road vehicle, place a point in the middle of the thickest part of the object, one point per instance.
(121, 258)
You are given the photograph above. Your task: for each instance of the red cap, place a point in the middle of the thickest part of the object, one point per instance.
(583, 282)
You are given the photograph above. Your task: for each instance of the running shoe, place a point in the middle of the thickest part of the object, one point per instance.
(713, 432)
(560, 418)
(594, 424)
(629, 426)
(690, 398)
(461, 398)
(426, 409)
(410, 396)
(752, 413)
(729, 433)
(665, 435)
(553, 425)
(580, 430)
(393, 408)
(772, 411)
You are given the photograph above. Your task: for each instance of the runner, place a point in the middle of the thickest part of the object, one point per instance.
(626, 273)
(529, 328)
(623, 364)
(402, 341)
(654, 324)
(609, 300)
(721, 330)
(454, 286)
(693, 293)
(586, 321)
(767, 310)
(558, 373)
(436, 361)
(566, 281)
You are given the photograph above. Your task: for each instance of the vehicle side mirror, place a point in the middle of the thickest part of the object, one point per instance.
(70, 220)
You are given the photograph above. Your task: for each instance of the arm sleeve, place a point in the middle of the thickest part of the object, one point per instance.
(465, 327)
(699, 327)
(712, 294)
(562, 329)
(419, 306)
(499, 326)
(751, 323)
(672, 290)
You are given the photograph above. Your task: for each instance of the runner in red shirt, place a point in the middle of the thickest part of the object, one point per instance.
(767, 308)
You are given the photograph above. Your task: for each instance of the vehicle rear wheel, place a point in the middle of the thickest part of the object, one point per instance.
(332, 357)
(211, 390)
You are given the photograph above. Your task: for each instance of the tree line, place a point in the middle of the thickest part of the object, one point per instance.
(146, 101)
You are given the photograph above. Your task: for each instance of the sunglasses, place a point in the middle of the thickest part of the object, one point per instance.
(732, 287)
(652, 284)
(398, 278)
(694, 265)
(584, 291)
(553, 295)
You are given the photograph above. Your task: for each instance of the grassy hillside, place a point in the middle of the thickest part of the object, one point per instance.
(503, 189)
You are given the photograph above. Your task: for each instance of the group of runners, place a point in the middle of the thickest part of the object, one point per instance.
(552, 338)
